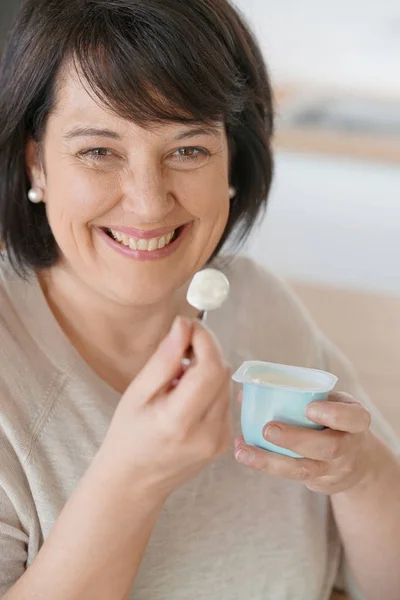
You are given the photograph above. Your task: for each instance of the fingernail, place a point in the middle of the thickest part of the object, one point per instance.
(272, 432)
(173, 337)
(175, 328)
(314, 412)
(245, 457)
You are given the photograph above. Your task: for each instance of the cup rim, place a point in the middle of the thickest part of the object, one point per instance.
(241, 376)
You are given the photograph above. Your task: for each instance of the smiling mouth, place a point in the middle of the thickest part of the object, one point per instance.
(146, 245)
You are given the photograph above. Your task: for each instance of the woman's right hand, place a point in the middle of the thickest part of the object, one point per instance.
(161, 435)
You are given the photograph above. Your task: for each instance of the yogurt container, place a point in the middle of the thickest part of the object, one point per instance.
(275, 392)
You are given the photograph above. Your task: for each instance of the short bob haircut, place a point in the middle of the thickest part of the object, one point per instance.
(200, 58)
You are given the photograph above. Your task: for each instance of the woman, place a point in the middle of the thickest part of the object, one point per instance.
(135, 140)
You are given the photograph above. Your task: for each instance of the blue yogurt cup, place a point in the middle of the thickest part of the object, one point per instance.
(265, 401)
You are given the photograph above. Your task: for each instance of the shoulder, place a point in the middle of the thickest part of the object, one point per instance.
(254, 283)
(25, 374)
(10, 324)
(269, 321)
(13, 335)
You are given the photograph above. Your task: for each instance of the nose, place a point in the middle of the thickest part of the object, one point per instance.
(146, 197)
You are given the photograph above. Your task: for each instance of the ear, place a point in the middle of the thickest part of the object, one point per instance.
(34, 165)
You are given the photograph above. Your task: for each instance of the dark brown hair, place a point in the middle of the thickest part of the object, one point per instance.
(150, 61)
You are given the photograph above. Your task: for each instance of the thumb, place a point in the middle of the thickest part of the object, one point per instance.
(165, 364)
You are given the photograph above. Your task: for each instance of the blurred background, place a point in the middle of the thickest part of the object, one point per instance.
(333, 223)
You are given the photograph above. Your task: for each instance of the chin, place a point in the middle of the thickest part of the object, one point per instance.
(144, 289)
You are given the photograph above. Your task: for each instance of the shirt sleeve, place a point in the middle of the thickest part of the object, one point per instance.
(288, 319)
(13, 545)
(335, 362)
(14, 519)
(338, 364)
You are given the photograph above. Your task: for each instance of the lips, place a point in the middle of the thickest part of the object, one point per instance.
(144, 248)
(143, 244)
(141, 233)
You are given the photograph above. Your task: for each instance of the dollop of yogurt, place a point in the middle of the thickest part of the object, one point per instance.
(208, 290)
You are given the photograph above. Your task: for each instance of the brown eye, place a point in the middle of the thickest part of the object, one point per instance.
(97, 153)
(190, 153)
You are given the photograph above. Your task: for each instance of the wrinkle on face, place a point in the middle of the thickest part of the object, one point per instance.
(140, 189)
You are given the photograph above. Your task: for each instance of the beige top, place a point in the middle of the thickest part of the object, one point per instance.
(232, 532)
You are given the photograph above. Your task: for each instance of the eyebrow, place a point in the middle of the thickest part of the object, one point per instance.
(204, 130)
(91, 132)
(108, 133)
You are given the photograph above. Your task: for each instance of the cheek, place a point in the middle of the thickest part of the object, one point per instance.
(211, 208)
(207, 197)
(213, 211)
(77, 195)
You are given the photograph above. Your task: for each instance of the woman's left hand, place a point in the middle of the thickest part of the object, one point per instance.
(336, 458)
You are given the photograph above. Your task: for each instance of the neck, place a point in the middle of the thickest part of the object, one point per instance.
(116, 340)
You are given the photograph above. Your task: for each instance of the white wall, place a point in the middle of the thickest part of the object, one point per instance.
(342, 42)
(333, 222)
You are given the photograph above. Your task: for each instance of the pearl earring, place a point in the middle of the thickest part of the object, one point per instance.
(232, 192)
(35, 195)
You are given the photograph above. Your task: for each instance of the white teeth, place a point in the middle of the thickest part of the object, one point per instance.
(153, 244)
(142, 244)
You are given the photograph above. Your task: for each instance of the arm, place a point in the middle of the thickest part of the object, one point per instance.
(368, 518)
(160, 436)
(96, 546)
(370, 511)
(360, 474)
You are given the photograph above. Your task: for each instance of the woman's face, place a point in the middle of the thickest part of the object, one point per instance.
(104, 173)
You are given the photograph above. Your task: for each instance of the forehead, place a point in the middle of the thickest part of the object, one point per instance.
(76, 102)
(77, 105)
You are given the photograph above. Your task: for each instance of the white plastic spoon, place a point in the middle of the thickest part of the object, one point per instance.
(208, 290)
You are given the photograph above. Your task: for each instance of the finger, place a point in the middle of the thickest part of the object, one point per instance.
(310, 443)
(342, 397)
(165, 364)
(240, 397)
(342, 416)
(201, 385)
(221, 422)
(190, 359)
(196, 395)
(222, 403)
(239, 440)
(300, 469)
(206, 346)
